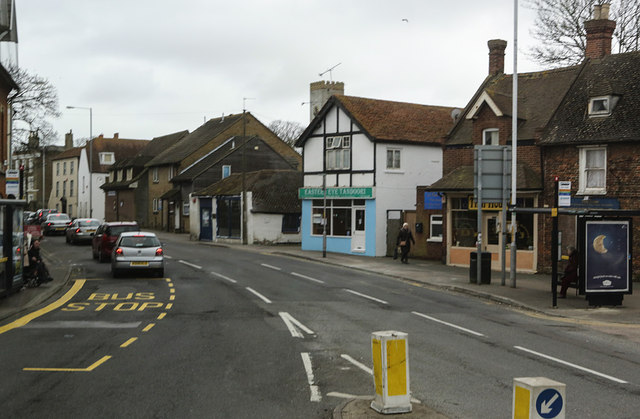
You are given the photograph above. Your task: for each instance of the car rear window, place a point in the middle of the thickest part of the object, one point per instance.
(117, 230)
(95, 223)
(140, 241)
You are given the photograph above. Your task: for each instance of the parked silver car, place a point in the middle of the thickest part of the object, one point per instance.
(137, 251)
(55, 224)
(82, 230)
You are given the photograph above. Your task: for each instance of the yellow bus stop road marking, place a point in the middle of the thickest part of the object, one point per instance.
(77, 285)
(88, 369)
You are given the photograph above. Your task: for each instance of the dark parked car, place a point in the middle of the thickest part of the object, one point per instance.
(41, 214)
(82, 230)
(106, 236)
(55, 224)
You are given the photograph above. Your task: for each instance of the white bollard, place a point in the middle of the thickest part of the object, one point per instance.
(538, 398)
(390, 352)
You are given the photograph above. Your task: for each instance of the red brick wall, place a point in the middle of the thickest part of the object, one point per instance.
(623, 183)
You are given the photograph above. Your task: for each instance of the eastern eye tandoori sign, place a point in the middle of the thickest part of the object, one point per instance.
(365, 192)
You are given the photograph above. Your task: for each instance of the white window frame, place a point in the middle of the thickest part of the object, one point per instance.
(107, 158)
(605, 100)
(338, 153)
(394, 151)
(433, 220)
(583, 189)
(493, 140)
(156, 176)
(129, 173)
(226, 170)
(170, 173)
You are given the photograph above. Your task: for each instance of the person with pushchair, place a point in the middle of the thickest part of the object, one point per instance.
(38, 272)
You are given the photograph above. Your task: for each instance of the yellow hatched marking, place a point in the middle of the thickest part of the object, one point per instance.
(149, 327)
(397, 367)
(161, 316)
(172, 290)
(88, 369)
(376, 349)
(77, 285)
(129, 342)
(521, 403)
(172, 297)
(168, 279)
(169, 306)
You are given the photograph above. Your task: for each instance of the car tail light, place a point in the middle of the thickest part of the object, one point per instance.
(77, 230)
(119, 251)
(49, 224)
(159, 251)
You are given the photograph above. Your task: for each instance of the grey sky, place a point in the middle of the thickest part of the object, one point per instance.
(152, 67)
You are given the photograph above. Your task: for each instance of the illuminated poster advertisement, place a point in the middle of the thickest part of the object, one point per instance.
(607, 256)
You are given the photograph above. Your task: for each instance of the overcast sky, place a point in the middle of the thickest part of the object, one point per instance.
(153, 67)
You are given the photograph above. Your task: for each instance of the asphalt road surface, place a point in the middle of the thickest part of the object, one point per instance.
(234, 333)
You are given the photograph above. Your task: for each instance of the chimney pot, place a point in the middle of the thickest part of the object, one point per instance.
(496, 56)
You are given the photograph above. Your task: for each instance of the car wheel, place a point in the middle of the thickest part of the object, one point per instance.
(93, 253)
(101, 257)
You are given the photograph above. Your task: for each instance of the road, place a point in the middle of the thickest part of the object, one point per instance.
(242, 334)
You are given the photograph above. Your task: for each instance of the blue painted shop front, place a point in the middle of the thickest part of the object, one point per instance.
(355, 236)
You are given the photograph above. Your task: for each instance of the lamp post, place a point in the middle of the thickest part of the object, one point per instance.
(90, 155)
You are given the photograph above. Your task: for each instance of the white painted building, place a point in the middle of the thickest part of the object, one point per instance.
(104, 152)
(371, 154)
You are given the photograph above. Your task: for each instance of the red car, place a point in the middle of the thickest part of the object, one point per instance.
(106, 236)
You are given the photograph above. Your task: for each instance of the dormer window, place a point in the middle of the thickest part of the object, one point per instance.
(490, 136)
(600, 106)
(107, 158)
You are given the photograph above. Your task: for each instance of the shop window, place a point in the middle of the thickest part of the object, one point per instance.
(338, 217)
(291, 223)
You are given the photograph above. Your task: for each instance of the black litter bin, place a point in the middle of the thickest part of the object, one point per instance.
(485, 274)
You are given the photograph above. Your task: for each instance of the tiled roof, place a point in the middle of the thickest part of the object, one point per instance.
(122, 148)
(385, 120)
(159, 144)
(195, 140)
(69, 153)
(462, 179)
(274, 191)
(539, 95)
(617, 75)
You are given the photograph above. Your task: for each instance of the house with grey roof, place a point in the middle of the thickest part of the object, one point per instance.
(272, 212)
(170, 208)
(127, 191)
(362, 161)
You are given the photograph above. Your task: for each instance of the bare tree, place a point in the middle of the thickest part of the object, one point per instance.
(34, 102)
(288, 131)
(559, 27)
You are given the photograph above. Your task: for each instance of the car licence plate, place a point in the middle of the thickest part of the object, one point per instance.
(139, 264)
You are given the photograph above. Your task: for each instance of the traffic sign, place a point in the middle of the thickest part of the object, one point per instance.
(549, 403)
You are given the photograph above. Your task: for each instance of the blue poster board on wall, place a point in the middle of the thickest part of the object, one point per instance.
(432, 201)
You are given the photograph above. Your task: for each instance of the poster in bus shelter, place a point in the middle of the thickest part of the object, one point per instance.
(608, 258)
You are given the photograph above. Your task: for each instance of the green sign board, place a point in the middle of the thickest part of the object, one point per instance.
(365, 192)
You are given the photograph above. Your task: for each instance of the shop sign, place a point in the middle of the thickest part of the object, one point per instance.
(337, 193)
(486, 206)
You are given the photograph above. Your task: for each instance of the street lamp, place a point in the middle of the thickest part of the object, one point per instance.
(90, 155)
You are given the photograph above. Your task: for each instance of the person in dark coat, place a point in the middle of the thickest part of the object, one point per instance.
(405, 238)
(36, 262)
(570, 272)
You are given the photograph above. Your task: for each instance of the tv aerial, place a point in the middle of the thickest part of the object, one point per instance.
(330, 71)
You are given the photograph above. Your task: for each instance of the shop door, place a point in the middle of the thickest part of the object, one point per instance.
(206, 231)
(358, 233)
(491, 233)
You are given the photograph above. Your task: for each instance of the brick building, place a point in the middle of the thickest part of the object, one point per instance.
(578, 122)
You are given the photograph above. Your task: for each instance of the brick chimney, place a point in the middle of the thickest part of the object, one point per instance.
(68, 140)
(599, 32)
(116, 135)
(496, 56)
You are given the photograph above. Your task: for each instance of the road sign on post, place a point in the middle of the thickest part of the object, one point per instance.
(538, 398)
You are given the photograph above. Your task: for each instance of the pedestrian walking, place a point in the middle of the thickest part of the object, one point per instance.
(570, 272)
(404, 240)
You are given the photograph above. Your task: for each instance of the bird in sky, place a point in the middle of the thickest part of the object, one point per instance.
(405, 20)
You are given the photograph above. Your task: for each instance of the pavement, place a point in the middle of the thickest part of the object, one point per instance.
(531, 294)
